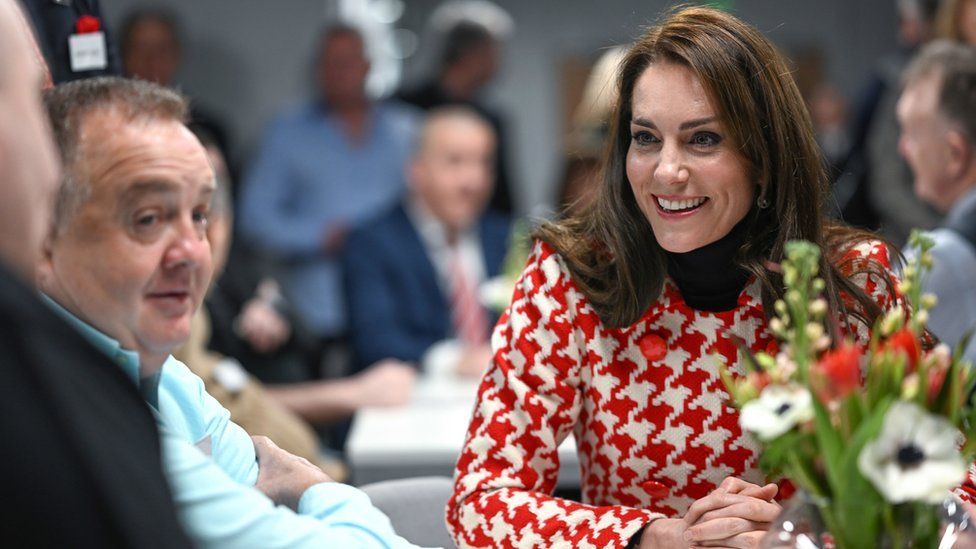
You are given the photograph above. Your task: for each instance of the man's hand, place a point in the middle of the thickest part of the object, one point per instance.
(262, 326)
(474, 361)
(284, 477)
(386, 383)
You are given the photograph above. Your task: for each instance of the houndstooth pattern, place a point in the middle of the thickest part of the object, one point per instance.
(652, 435)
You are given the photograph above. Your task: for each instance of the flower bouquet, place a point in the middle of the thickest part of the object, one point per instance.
(876, 438)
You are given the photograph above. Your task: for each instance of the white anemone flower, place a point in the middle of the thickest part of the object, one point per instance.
(915, 457)
(777, 410)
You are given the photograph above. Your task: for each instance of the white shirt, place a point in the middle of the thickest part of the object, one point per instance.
(442, 357)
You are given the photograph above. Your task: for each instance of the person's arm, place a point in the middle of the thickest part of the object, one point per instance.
(219, 512)
(183, 397)
(269, 213)
(528, 402)
(388, 383)
(372, 301)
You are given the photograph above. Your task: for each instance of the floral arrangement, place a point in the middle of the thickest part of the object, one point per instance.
(877, 438)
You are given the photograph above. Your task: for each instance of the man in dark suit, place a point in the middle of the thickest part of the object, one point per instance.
(412, 275)
(81, 450)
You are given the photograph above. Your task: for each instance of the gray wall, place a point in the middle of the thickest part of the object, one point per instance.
(246, 59)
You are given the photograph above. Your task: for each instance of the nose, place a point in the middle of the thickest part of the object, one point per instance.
(188, 246)
(670, 169)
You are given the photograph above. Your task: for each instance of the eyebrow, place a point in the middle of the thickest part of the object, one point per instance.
(143, 188)
(684, 125)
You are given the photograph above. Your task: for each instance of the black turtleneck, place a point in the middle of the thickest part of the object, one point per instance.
(708, 277)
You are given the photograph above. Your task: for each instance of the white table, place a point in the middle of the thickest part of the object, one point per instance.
(425, 436)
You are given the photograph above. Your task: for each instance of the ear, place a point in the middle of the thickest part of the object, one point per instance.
(960, 154)
(45, 273)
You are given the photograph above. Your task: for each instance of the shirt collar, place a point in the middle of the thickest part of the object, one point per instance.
(126, 359)
(963, 208)
(432, 231)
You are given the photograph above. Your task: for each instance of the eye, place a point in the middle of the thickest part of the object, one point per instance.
(643, 138)
(706, 139)
(146, 220)
(201, 217)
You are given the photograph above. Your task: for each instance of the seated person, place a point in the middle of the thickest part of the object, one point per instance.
(80, 448)
(412, 274)
(127, 263)
(261, 410)
(937, 111)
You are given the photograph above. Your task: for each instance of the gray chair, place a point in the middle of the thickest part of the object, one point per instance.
(416, 507)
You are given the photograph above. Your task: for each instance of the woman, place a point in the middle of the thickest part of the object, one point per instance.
(614, 326)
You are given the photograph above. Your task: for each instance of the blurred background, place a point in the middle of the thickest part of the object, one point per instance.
(244, 60)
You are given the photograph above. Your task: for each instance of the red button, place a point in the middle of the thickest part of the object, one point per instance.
(655, 489)
(653, 347)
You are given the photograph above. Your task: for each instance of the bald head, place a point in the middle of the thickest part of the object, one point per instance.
(452, 173)
(28, 165)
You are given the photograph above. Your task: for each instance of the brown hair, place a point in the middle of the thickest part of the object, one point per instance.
(69, 104)
(610, 248)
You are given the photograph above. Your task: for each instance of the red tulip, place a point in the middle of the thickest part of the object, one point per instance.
(838, 372)
(905, 342)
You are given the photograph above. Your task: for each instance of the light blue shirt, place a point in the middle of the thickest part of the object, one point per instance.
(953, 281)
(211, 465)
(309, 178)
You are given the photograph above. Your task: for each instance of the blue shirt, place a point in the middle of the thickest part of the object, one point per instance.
(309, 178)
(953, 281)
(211, 465)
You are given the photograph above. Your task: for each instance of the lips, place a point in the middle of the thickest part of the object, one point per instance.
(677, 206)
(170, 301)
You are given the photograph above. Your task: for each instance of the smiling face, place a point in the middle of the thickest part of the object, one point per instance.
(133, 260)
(687, 175)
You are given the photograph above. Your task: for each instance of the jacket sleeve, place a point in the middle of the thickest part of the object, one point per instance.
(529, 401)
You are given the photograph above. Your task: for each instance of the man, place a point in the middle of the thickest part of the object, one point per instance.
(888, 178)
(127, 263)
(472, 33)
(323, 167)
(412, 275)
(81, 450)
(937, 112)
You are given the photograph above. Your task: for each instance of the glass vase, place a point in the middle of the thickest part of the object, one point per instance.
(802, 525)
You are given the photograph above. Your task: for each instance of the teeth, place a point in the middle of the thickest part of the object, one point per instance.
(677, 205)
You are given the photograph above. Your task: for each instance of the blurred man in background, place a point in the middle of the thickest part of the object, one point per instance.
(937, 112)
(321, 168)
(470, 35)
(413, 274)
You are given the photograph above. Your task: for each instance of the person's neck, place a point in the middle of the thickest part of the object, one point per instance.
(709, 278)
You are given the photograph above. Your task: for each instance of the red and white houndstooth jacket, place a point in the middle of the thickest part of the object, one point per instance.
(645, 403)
